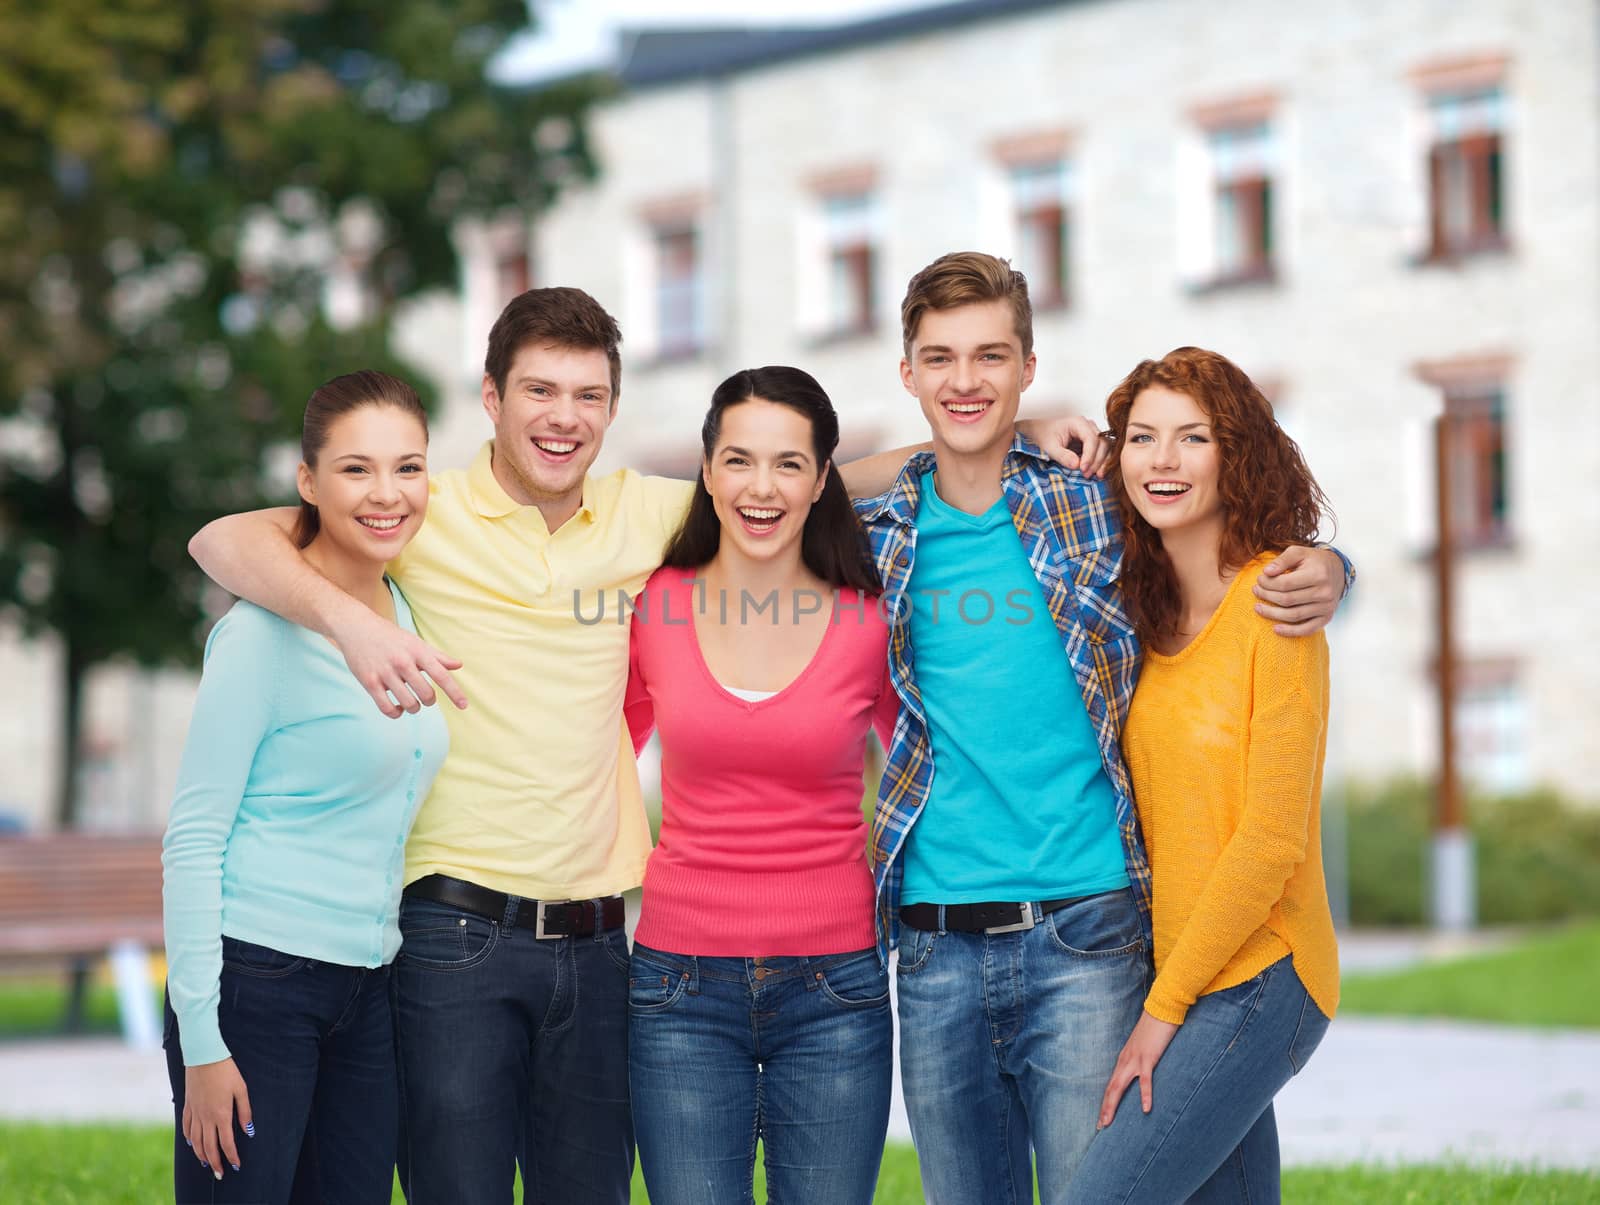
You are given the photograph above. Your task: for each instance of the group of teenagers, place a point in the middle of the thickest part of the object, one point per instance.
(395, 930)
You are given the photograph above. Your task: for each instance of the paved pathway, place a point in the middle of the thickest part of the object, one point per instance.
(1376, 1090)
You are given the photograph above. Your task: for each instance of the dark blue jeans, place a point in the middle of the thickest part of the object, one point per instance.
(315, 1045)
(1210, 1135)
(796, 1051)
(513, 1052)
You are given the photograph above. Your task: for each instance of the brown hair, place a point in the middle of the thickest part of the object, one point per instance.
(563, 317)
(967, 278)
(334, 399)
(1269, 498)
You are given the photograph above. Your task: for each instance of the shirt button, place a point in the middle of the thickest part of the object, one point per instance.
(880, 855)
(411, 795)
(417, 754)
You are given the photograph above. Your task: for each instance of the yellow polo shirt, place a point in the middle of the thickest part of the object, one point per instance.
(539, 795)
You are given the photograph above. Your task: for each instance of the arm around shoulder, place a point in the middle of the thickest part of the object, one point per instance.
(252, 555)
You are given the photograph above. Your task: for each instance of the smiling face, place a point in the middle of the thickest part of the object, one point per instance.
(1170, 464)
(549, 424)
(763, 477)
(370, 482)
(966, 368)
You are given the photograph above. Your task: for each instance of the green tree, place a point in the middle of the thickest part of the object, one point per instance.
(184, 189)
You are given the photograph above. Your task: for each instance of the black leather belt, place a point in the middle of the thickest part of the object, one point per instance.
(547, 918)
(988, 917)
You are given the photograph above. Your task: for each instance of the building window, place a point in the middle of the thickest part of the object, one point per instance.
(1492, 727)
(1241, 170)
(848, 225)
(513, 274)
(679, 301)
(1039, 199)
(1466, 179)
(1479, 497)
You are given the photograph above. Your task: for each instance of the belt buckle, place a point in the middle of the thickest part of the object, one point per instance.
(539, 933)
(1027, 922)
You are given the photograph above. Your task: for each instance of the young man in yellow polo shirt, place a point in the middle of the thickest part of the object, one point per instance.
(511, 985)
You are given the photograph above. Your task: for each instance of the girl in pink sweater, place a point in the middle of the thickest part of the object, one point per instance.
(758, 1008)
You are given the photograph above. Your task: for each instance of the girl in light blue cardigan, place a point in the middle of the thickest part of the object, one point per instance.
(284, 852)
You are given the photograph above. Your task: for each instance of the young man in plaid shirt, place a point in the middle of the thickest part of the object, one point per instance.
(1006, 848)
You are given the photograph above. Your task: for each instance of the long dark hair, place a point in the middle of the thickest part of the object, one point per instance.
(336, 398)
(832, 544)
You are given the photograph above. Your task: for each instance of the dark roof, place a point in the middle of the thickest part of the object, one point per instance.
(667, 56)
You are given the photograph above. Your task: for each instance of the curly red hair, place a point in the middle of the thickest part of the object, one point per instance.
(1269, 498)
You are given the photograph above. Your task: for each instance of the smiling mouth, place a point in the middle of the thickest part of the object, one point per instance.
(759, 519)
(967, 409)
(1167, 491)
(556, 447)
(384, 523)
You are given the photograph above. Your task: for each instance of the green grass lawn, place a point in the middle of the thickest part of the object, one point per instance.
(1550, 979)
(130, 1165)
(35, 1006)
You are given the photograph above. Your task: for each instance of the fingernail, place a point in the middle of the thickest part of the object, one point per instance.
(203, 1163)
(187, 1143)
(217, 1172)
(249, 1129)
(235, 1166)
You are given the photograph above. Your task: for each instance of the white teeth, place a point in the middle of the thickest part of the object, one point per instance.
(967, 407)
(380, 524)
(554, 447)
(760, 516)
(1167, 487)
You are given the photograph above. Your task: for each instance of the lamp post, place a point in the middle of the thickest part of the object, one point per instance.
(1452, 888)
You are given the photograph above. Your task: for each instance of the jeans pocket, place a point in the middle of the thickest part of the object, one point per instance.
(260, 962)
(615, 942)
(654, 988)
(915, 947)
(1308, 1035)
(856, 981)
(1102, 926)
(444, 940)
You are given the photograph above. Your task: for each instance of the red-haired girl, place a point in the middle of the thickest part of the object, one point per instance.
(1224, 741)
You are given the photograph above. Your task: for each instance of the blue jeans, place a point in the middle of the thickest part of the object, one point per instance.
(796, 1051)
(315, 1046)
(1007, 1041)
(1210, 1135)
(513, 1052)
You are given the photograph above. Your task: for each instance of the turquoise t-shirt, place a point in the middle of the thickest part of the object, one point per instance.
(1020, 807)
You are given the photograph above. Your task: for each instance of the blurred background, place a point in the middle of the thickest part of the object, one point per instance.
(1387, 213)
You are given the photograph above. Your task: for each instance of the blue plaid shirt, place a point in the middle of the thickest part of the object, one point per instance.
(1069, 526)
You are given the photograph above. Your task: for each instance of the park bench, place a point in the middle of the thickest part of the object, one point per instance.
(70, 899)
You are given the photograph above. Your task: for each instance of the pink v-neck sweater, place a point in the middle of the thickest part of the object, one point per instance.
(763, 849)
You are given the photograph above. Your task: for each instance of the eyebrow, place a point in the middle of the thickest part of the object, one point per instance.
(1000, 345)
(1185, 427)
(735, 450)
(523, 382)
(365, 459)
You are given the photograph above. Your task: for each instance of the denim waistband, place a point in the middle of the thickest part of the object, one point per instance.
(762, 969)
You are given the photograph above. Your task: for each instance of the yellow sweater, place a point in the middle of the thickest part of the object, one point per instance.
(1224, 741)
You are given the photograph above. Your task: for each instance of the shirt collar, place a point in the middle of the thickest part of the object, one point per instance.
(899, 502)
(490, 497)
